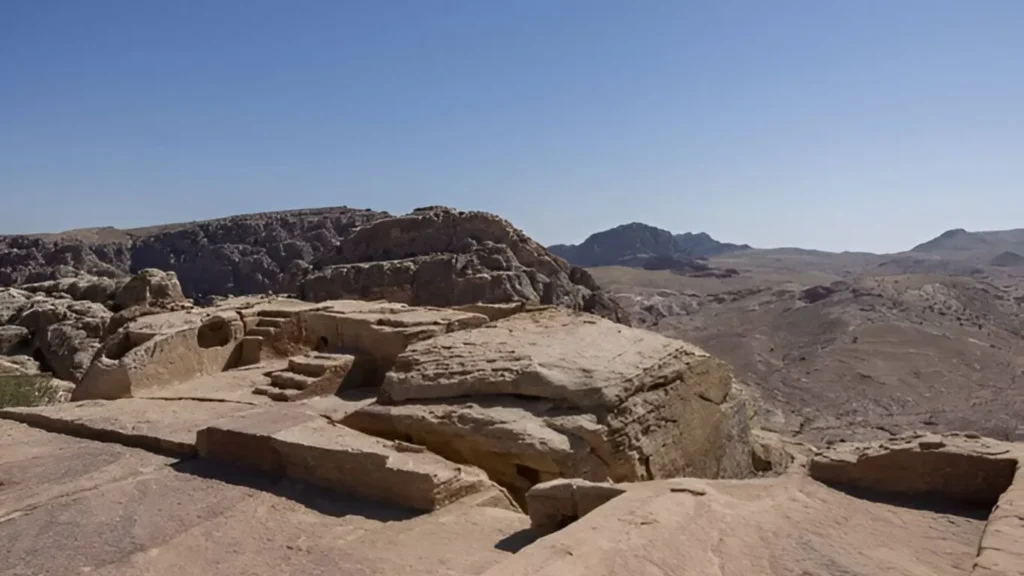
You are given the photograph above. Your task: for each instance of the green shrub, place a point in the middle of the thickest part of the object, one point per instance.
(26, 390)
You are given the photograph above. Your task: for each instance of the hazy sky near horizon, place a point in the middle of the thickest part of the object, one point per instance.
(868, 125)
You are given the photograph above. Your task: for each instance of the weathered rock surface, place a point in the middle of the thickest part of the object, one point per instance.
(18, 365)
(162, 426)
(308, 447)
(85, 287)
(67, 333)
(75, 506)
(555, 504)
(442, 257)
(14, 339)
(150, 287)
(551, 393)
(434, 256)
(160, 350)
(780, 526)
(67, 320)
(957, 467)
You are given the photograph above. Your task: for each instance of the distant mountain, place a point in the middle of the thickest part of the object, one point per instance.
(640, 245)
(701, 245)
(961, 242)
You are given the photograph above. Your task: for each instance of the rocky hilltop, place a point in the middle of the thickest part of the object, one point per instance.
(432, 256)
(640, 245)
(439, 402)
(961, 241)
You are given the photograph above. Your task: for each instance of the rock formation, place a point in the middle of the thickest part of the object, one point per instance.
(434, 256)
(549, 394)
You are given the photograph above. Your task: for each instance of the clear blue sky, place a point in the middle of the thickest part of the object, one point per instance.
(833, 124)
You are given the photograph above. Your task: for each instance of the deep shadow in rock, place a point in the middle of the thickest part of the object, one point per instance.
(321, 500)
(518, 540)
(356, 394)
(366, 372)
(927, 503)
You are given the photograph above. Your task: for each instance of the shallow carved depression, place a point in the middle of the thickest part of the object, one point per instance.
(215, 333)
(961, 478)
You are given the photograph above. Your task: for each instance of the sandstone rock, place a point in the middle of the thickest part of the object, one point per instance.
(772, 526)
(434, 256)
(774, 454)
(442, 257)
(25, 260)
(89, 288)
(150, 287)
(555, 504)
(161, 426)
(382, 330)
(12, 301)
(951, 466)
(69, 348)
(66, 332)
(548, 394)
(162, 349)
(308, 447)
(14, 339)
(18, 365)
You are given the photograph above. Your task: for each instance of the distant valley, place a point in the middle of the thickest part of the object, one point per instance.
(836, 346)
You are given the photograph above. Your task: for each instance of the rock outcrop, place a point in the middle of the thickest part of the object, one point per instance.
(442, 257)
(64, 322)
(963, 468)
(304, 446)
(551, 393)
(555, 504)
(434, 256)
(160, 350)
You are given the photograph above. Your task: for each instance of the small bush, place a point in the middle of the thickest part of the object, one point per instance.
(26, 390)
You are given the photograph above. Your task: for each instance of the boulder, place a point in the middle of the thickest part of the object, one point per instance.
(153, 288)
(12, 302)
(89, 288)
(14, 339)
(18, 365)
(66, 332)
(552, 393)
(555, 504)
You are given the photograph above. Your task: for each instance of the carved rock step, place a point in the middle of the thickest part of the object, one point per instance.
(279, 394)
(315, 374)
(270, 322)
(290, 380)
(307, 447)
(265, 332)
(318, 364)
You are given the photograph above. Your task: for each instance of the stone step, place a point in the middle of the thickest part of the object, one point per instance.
(292, 381)
(317, 365)
(307, 447)
(284, 395)
(264, 332)
(270, 322)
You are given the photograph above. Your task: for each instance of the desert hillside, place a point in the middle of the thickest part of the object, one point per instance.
(844, 354)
